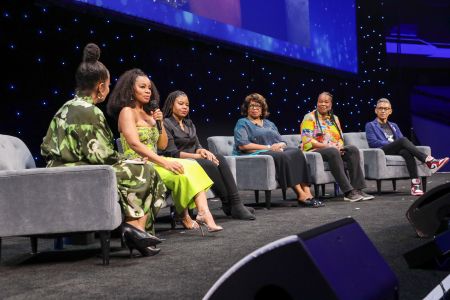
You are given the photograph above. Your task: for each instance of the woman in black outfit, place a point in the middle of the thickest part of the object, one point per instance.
(183, 143)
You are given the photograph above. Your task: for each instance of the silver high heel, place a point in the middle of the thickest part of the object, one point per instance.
(201, 221)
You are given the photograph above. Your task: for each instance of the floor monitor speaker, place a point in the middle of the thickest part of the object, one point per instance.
(333, 261)
(430, 212)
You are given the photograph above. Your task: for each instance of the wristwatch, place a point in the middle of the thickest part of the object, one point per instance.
(268, 146)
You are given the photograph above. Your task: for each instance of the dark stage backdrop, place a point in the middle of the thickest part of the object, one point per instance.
(41, 46)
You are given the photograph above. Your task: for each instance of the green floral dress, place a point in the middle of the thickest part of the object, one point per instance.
(185, 186)
(79, 135)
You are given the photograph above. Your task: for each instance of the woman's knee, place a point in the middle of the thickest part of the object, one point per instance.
(352, 150)
(333, 152)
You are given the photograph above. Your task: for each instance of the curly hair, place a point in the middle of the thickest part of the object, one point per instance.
(170, 100)
(122, 95)
(258, 98)
(90, 71)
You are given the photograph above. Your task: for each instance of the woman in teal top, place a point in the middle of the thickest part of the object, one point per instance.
(130, 104)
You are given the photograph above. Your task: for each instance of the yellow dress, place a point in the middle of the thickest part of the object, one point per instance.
(185, 186)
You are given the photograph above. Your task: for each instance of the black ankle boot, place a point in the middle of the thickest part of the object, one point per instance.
(226, 207)
(237, 209)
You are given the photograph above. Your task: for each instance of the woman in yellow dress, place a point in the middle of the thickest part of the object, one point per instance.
(134, 103)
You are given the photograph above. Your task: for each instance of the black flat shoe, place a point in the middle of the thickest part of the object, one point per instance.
(310, 203)
(138, 237)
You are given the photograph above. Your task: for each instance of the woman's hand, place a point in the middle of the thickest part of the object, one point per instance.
(157, 115)
(174, 166)
(205, 154)
(278, 147)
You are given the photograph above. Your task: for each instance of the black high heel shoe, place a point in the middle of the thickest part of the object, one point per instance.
(146, 251)
(139, 238)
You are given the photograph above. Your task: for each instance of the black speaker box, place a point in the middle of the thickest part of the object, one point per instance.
(334, 261)
(434, 254)
(429, 213)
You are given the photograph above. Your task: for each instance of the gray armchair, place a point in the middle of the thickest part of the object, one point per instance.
(379, 166)
(53, 201)
(245, 168)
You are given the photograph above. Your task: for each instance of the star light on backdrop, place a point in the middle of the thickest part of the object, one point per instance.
(42, 48)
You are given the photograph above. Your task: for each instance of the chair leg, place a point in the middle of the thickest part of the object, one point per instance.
(34, 244)
(323, 189)
(379, 186)
(0, 249)
(257, 196)
(316, 190)
(424, 184)
(394, 185)
(105, 238)
(172, 217)
(268, 196)
(283, 191)
(336, 189)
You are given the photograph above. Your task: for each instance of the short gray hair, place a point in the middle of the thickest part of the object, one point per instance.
(384, 100)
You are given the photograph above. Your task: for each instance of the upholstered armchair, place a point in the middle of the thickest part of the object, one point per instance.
(59, 201)
(379, 166)
(253, 173)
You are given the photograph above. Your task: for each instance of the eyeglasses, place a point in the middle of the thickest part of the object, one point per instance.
(254, 106)
(384, 108)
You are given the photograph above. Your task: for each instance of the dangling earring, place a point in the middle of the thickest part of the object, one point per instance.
(99, 95)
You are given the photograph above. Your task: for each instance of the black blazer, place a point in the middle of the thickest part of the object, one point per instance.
(180, 140)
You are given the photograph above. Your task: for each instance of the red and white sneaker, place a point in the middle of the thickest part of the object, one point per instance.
(436, 164)
(415, 187)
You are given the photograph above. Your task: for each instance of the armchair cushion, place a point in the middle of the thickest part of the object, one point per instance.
(221, 145)
(14, 154)
(357, 139)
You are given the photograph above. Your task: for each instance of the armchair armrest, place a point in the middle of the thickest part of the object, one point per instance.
(255, 172)
(374, 163)
(58, 200)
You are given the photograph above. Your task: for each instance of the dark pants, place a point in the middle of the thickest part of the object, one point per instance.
(290, 167)
(224, 184)
(408, 151)
(336, 162)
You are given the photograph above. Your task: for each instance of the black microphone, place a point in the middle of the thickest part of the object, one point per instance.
(154, 106)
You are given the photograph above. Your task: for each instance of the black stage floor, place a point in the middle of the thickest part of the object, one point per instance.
(189, 264)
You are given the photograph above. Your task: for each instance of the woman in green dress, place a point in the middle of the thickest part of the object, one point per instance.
(79, 135)
(134, 103)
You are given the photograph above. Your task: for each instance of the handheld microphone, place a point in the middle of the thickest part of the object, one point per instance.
(154, 106)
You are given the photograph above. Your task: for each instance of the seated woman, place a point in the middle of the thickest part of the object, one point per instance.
(386, 135)
(130, 103)
(321, 132)
(183, 143)
(255, 134)
(79, 135)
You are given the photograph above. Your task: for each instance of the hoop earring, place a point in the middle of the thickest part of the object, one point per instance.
(99, 95)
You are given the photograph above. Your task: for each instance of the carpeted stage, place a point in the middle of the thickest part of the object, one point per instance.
(189, 264)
